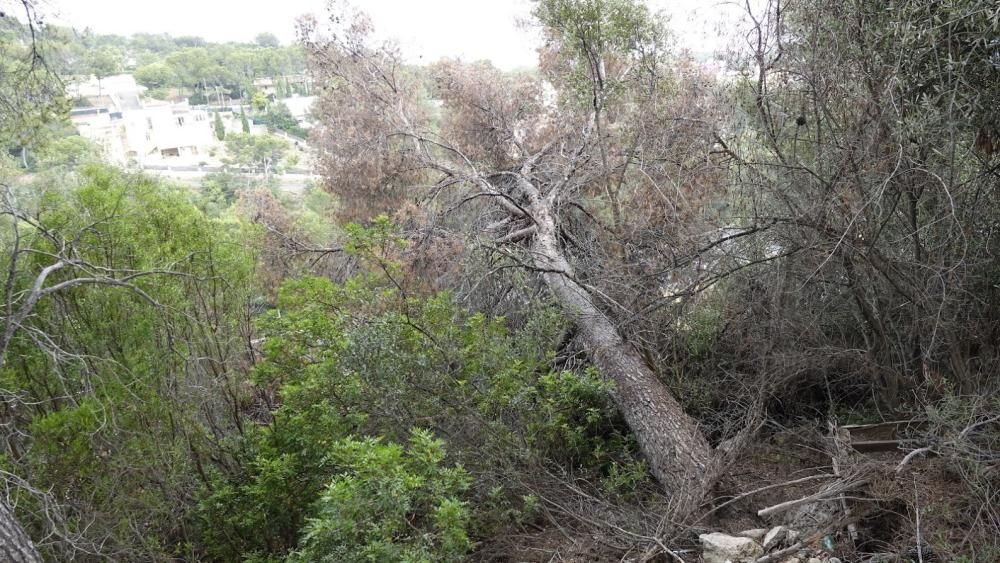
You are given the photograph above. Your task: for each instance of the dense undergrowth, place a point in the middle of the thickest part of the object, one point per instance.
(235, 373)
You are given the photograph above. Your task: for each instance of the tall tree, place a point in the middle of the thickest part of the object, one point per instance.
(27, 93)
(193, 67)
(32, 98)
(104, 62)
(532, 166)
(220, 128)
(593, 47)
(267, 40)
(244, 123)
(155, 76)
(262, 153)
(104, 287)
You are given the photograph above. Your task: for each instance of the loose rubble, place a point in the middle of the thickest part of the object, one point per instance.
(750, 546)
(722, 548)
(756, 534)
(774, 537)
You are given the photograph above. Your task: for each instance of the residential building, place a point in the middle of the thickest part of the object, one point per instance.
(134, 131)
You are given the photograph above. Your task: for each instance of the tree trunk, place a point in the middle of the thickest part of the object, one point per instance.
(15, 545)
(679, 456)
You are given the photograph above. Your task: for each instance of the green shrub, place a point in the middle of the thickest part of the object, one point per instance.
(389, 505)
(119, 414)
(357, 364)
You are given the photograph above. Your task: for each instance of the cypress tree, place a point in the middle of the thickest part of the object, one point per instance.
(220, 129)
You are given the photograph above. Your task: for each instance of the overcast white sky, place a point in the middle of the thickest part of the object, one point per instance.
(426, 29)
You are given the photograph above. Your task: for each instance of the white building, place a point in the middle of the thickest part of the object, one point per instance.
(134, 131)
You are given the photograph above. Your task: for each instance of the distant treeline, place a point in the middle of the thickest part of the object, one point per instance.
(161, 62)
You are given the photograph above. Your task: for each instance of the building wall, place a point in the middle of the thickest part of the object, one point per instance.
(110, 135)
(154, 132)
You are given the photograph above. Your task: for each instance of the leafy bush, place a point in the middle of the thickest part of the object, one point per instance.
(574, 419)
(389, 505)
(360, 360)
(279, 117)
(357, 364)
(218, 191)
(118, 427)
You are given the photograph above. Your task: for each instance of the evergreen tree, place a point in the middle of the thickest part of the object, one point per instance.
(220, 129)
(243, 120)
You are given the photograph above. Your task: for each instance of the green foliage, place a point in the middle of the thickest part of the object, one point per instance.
(66, 153)
(259, 101)
(232, 67)
(313, 217)
(105, 61)
(387, 504)
(356, 364)
(219, 191)
(243, 121)
(33, 106)
(279, 117)
(701, 327)
(376, 242)
(574, 418)
(601, 26)
(155, 76)
(593, 34)
(951, 61)
(192, 66)
(67, 435)
(119, 430)
(259, 152)
(267, 40)
(220, 128)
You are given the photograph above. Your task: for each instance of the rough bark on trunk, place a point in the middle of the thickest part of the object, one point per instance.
(15, 544)
(679, 456)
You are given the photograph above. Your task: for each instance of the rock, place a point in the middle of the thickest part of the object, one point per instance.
(833, 560)
(815, 560)
(755, 534)
(792, 560)
(720, 548)
(775, 537)
(792, 536)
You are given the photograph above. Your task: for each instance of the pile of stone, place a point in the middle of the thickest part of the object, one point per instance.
(777, 545)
